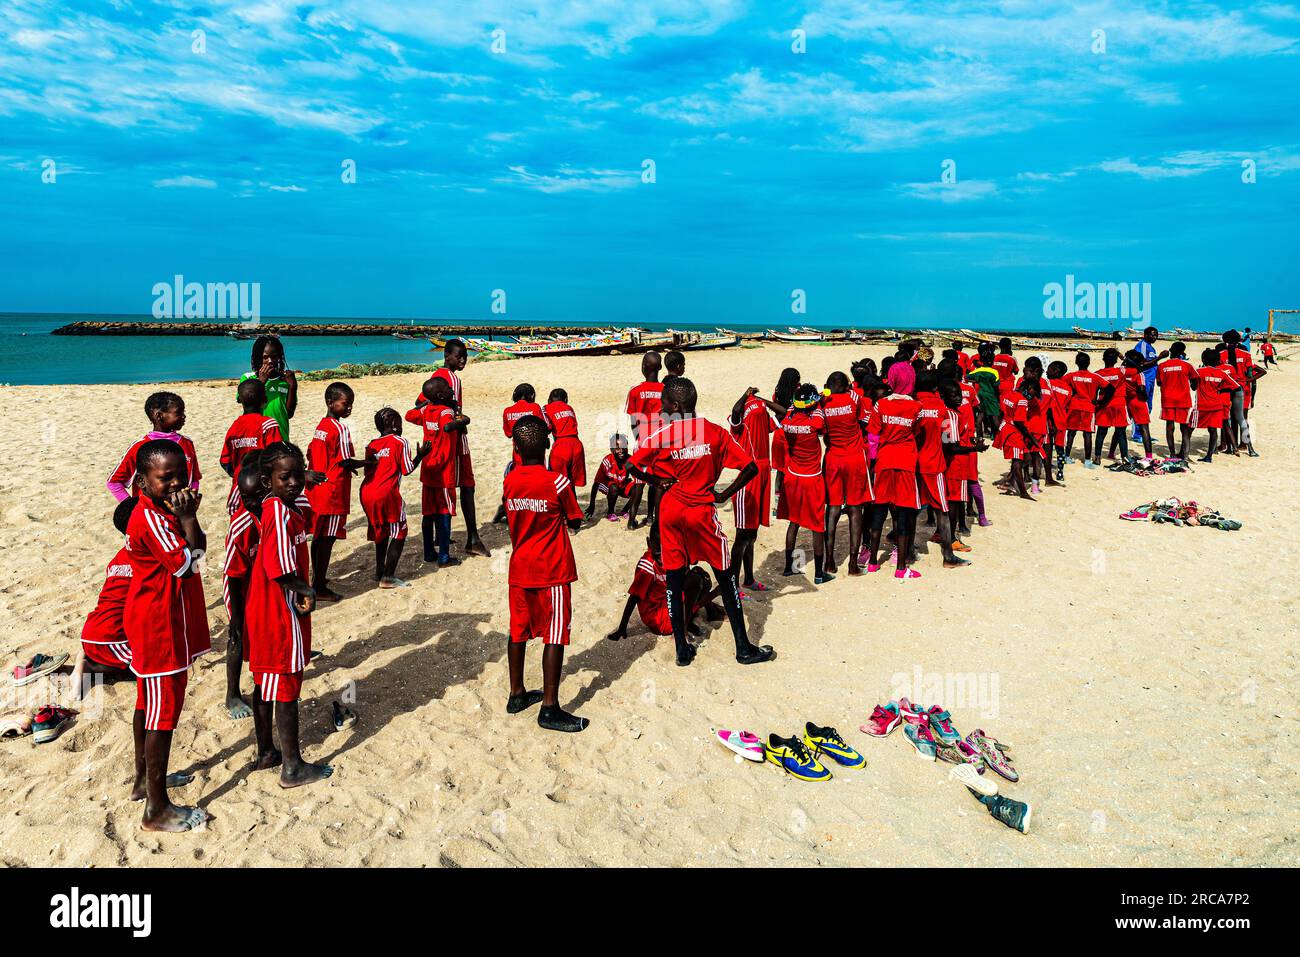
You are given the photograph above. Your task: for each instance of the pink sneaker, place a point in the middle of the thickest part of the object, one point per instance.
(912, 713)
(882, 721)
(744, 743)
(902, 574)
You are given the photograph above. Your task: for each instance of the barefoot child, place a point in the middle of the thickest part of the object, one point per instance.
(165, 620)
(541, 510)
(278, 617)
(104, 647)
(612, 481)
(803, 496)
(1015, 439)
(330, 467)
(568, 457)
(751, 424)
(1177, 377)
(442, 427)
(684, 459)
(241, 554)
(648, 595)
(388, 458)
(166, 412)
(250, 431)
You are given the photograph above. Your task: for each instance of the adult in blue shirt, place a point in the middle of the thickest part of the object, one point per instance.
(1146, 346)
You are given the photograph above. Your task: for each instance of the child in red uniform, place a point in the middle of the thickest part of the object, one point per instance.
(1015, 439)
(330, 466)
(277, 619)
(612, 481)
(1057, 419)
(803, 496)
(1006, 365)
(568, 457)
(1176, 377)
(1135, 397)
(1248, 374)
(388, 458)
(541, 510)
(1083, 407)
(848, 479)
(932, 420)
(1112, 412)
(648, 595)
(249, 432)
(165, 620)
(454, 359)
(104, 648)
(960, 449)
(241, 553)
(524, 402)
(896, 424)
(751, 424)
(442, 427)
(645, 401)
(166, 412)
(1214, 388)
(684, 459)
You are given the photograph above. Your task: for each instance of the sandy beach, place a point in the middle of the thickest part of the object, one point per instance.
(1144, 674)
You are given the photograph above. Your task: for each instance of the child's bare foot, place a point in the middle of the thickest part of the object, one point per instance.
(325, 593)
(272, 759)
(554, 718)
(521, 702)
(305, 773)
(393, 583)
(238, 708)
(854, 570)
(476, 547)
(1028, 497)
(174, 819)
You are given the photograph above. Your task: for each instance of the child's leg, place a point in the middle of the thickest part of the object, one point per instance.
(1069, 441)
(1211, 445)
(943, 528)
(1169, 438)
(742, 553)
(821, 573)
(791, 537)
(268, 756)
(443, 525)
(855, 538)
(905, 522)
(1099, 444)
(832, 519)
(392, 557)
(381, 551)
(676, 596)
(977, 496)
(960, 527)
(749, 559)
(552, 716)
(1121, 436)
(611, 501)
(322, 548)
(1147, 447)
(295, 772)
(235, 703)
(873, 536)
(746, 653)
(429, 537)
(472, 541)
(633, 504)
(138, 790)
(1018, 478)
(1087, 445)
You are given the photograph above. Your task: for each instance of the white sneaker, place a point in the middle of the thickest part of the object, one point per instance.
(967, 774)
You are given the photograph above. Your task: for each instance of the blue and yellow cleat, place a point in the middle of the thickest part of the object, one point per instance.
(794, 757)
(828, 741)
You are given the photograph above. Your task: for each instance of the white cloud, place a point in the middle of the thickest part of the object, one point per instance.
(568, 179)
(185, 182)
(961, 191)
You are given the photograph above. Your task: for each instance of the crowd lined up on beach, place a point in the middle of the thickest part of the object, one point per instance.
(897, 441)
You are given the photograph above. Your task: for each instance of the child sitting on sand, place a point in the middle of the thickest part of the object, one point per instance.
(648, 595)
(166, 412)
(104, 648)
(613, 480)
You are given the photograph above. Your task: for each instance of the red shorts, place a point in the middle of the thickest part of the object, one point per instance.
(278, 687)
(437, 500)
(934, 492)
(848, 482)
(160, 698)
(803, 501)
(753, 503)
(1081, 420)
(690, 534)
(957, 489)
(897, 487)
(115, 655)
(569, 459)
(623, 488)
(544, 613)
(1181, 416)
(1138, 412)
(331, 526)
(396, 531)
(1210, 418)
(1112, 417)
(464, 466)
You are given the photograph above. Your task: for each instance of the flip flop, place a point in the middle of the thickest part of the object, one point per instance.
(395, 583)
(344, 718)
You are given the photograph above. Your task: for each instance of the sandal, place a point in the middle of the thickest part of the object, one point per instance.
(344, 718)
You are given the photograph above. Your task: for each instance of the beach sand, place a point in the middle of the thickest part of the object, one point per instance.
(1144, 674)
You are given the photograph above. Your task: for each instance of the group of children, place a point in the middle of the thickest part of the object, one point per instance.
(876, 444)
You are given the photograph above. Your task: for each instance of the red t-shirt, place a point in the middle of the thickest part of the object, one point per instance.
(513, 413)
(165, 617)
(754, 431)
(278, 638)
(896, 421)
(1060, 400)
(963, 361)
(124, 474)
(1006, 367)
(693, 451)
(1175, 378)
(1084, 384)
(438, 468)
(538, 505)
(250, 431)
(932, 418)
(561, 419)
(1114, 375)
(331, 443)
(802, 430)
(650, 588)
(388, 458)
(453, 380)
(643, 405)
(104, 625)
(609, 472)
(1211, 381)
(845, 417)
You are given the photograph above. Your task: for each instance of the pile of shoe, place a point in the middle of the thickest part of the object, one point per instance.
(1151, 466)
(931, 734)
(797, 756)
(1172, 511)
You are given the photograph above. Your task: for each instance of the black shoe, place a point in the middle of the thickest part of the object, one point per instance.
(1014, 814)
(522, 702)
(756, 654)
(554, 718)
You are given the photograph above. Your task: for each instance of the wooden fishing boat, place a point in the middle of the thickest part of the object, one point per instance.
(600, 344)
(795, 335)
(708, 340)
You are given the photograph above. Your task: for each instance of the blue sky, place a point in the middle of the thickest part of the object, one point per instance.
(775, 170)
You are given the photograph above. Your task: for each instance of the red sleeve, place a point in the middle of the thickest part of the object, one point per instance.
(734, 455)
(642, 580)
(271, 432)
(237, 565)
(124, 474)
(225, 447)
(276, 553)
(415, 416)
(408, 457)
(505, 423)
(164, 543)
(644, 457)
(567, 499)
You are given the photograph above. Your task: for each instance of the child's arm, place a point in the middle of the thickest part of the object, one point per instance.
(746, 476)
(658, 481)
(305, 601)
(621, 631)
(591, 501)
(184, 504)
(459, 423)
(291, 402)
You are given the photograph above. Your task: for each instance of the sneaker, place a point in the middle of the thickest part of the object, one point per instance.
(920, 738)
(828, 741)
(1014, 814)
(744, 743)
(912, 713)
(37, 667)
(941, 725)
(992, 755)
(882, 721)
(985, 522)
(793, 756)
(49, 723)
(969, 775)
